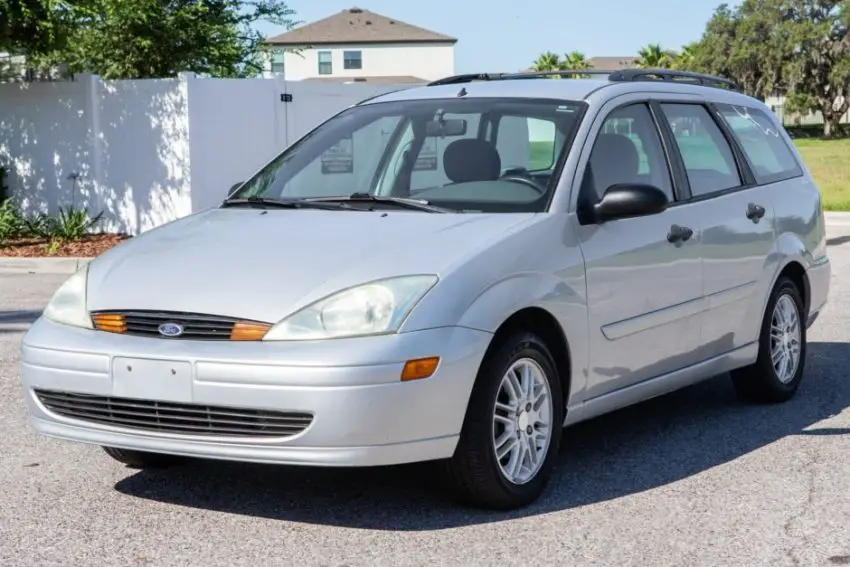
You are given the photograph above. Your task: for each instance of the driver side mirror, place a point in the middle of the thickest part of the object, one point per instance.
(628, 200)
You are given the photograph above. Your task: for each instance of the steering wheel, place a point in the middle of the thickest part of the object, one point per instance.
(528, 181)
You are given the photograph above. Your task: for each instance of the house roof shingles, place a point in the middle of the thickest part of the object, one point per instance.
(355, 26)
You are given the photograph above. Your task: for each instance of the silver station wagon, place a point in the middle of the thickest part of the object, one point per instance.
(451, 273)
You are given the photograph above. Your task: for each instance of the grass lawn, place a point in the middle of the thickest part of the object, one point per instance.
(828, 160)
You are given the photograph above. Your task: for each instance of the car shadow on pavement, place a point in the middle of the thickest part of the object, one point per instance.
(650, 445)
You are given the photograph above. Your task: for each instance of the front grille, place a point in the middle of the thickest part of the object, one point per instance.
(168, 417)
(195, 326)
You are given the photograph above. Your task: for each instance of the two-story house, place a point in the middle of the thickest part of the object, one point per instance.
(357, 45)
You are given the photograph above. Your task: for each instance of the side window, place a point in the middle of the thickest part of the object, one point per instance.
(542, 144)
(762, 143)
(527, 142)
(627, 150)
(709, 161)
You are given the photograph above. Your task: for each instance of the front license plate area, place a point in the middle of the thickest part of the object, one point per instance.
(162, 380)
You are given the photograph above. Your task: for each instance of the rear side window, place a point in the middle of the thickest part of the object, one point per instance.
(766, 150)
(709, 161)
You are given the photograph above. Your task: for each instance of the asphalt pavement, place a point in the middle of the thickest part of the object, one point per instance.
(695, 478)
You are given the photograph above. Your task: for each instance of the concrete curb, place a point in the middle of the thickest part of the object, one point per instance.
(836, 218)
(9, 265)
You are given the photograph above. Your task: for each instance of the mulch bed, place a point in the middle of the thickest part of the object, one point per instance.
(86, 247)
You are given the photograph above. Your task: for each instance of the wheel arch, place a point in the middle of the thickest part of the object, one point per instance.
(795, 271)
(541, 322)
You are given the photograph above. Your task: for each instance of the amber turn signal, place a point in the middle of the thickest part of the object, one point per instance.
(419, 368)
(244, 331)
(110, 322)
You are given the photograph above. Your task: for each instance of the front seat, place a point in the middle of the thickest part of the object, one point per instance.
(471, 159)
(615, 159)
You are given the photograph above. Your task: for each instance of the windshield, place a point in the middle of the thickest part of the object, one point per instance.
(464, 154)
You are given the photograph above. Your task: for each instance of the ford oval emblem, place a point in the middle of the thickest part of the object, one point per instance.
(170, 330)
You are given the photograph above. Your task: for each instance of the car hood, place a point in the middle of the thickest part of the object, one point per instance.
(265, 264)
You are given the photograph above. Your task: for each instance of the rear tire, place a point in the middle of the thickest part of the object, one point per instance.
(778, 371)
(141, 459)
(524, 426)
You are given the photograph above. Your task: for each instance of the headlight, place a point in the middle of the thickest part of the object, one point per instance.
(68, 304)
(370, 309)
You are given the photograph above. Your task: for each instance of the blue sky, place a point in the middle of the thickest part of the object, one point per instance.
(495, 35)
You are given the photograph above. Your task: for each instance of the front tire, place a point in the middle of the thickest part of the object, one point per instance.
(778, 371)
(141, 459)
(512, 430)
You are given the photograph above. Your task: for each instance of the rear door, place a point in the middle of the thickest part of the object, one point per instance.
(737, 222)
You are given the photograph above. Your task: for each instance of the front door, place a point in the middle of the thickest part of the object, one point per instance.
(644, 274)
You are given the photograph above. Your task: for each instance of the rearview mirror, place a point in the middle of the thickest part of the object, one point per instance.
(445, 128)
(626, 200)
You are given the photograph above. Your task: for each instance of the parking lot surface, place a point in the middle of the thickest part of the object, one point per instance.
(690, 479)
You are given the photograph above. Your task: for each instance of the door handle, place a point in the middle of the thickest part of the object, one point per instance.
(679, 233)
(755, 212)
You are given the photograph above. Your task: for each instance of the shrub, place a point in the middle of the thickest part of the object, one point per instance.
(71, 224)
(11, 222)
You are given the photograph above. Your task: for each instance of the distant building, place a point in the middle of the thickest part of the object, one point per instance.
(613, 63)
(607, 63)
(357, 45)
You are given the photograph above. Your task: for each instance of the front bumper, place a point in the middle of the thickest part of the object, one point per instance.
(363, 415)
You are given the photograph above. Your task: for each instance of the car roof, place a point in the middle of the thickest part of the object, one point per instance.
(599, 87)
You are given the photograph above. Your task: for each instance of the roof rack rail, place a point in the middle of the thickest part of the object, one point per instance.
(623, 75)
(470, 77)
(562, 73)
(466, 78)
(673, 76)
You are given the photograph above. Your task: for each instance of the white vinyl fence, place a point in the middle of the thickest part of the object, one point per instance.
(147, 152)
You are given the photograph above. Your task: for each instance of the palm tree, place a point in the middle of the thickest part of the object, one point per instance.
(686, 60)
(653, 56)
(575, 60)
(547, 62)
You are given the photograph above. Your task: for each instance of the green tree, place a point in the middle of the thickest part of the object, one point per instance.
(137, 39)
(575, 60)
(547, 61)
(23, 25)
(799, 48)
(685, 60)
(653, 56)
(817, 71)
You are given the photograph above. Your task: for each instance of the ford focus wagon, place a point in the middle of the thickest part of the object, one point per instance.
(451, 273)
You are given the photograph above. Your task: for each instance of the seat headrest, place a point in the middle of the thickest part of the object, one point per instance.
(615, 159)
(471, 159)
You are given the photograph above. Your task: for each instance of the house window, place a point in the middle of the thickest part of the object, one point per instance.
(325, 63)
(277, 62)
(352, 60)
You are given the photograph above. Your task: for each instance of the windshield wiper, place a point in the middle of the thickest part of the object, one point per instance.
(280, 203)
(413, 204)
